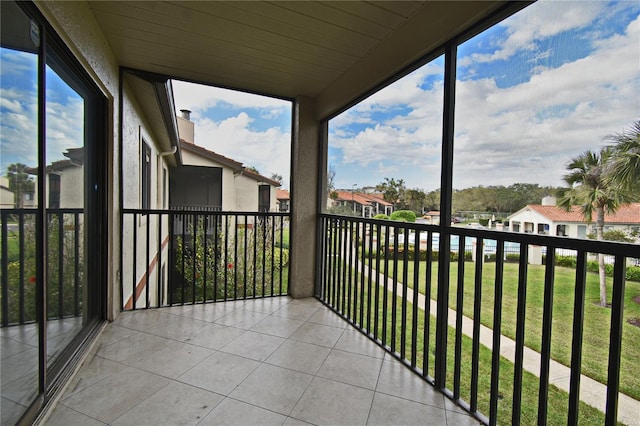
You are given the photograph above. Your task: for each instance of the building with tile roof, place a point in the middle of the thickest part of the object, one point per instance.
(363, 204)
(549, 219)
(207, 180)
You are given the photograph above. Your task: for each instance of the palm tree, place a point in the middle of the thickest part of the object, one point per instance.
(625, 163)
(592, 189)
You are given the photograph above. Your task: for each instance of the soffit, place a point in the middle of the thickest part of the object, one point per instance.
(331, 51)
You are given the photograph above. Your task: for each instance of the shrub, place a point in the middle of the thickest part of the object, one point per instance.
(403, 216)
(633, 273)
(381, 216)
(483, 222)
(512, 258)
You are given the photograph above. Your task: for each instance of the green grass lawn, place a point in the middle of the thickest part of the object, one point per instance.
(558, 399)
(596, 319)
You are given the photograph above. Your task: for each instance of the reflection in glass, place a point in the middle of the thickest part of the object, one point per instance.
(18, 199)
(65, 211)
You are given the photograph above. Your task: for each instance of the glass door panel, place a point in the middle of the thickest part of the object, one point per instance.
(18, 207)
(65, 210)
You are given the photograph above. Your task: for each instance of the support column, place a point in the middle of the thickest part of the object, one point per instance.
(305, 168)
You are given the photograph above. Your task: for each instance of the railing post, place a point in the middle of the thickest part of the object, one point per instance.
(615, 340)
(5, 278)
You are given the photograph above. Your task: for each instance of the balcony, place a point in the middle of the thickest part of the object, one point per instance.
(263, 361)
(390, 334)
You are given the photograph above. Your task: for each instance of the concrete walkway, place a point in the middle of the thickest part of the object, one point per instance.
(591, 392)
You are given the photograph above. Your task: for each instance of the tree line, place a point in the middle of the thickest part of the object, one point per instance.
(480, 198)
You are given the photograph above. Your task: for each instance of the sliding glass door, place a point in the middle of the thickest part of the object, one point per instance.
(51, 200)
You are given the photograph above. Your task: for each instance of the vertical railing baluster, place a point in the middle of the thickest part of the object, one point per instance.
(60, 266)
(355, 270)
(216, 253)
(194, 254)
(426, 333)
(281, 251)
(370, 277)
(264, 252)
(545, 347)
(272, 220)
(376, 315)
(255, 232)
(159, 262)
(171, 257)
(615, 340)
(385, 295)
(351, 268)
(497, 326)
(394, 290)
(344, 256)
(459, 318)
(475, 350)
(235, 257)
(226, 258)
(405, 290)
(330, 260)
(576, 345)
(416, 292)
(22, 266)
(341, 267)
(146, 267)
(76, 264)
(362, 249)
(135, 257)
(5, 279)
(205, 257)
(520, 329)
(245, 240)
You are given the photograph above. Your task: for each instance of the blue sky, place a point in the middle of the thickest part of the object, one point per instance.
(533, 91)
(18, 112)
(255, 130)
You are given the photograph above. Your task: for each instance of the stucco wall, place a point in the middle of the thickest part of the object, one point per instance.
(75, 24)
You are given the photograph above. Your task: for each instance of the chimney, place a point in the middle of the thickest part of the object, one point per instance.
(549, 201)
(186, 127)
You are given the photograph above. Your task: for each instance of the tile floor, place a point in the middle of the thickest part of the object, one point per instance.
(270, 361)
(19, 362)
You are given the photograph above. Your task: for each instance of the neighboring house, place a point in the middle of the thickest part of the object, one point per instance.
(6, 195)
(363, 204)
(207, 180)
(61, 185)
(283, 200)
(552, 220)
(432, 217)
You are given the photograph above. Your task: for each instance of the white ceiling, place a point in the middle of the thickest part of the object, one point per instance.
(331, 51)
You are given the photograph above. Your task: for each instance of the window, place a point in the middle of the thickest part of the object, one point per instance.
(561, 230)
(54, 191)
(264, 198)
(145, 176)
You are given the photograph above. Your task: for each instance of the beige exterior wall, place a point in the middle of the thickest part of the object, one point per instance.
(6, 195)
(75, 24)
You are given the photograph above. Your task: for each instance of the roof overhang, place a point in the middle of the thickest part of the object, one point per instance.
(332, 52)
(155, 95)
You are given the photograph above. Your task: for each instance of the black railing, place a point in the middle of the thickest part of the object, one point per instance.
(174, 257)
(381, 276)
(65, 264)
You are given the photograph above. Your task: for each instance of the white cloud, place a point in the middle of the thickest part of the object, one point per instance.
(525, 133)
(268, 151)
(536, 23)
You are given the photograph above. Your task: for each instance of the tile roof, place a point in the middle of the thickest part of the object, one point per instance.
(361, 198)
(282, 194)
(625, 214)
(226, 161)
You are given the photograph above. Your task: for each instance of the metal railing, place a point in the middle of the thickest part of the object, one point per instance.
(414, 299)
(65, 264)
(174, 257)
